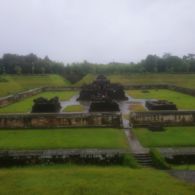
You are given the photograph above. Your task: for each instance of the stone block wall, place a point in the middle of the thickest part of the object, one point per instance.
(22, 95)
(165, 118)
(60, 120)
(19, 96)
(76, 156)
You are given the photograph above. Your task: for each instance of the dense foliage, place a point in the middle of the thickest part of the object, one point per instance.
(31, 64)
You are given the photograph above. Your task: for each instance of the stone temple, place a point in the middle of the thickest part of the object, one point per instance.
(103, 95)
(43, 105)
(160, 105)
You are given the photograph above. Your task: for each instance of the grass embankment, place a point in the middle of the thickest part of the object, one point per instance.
(86, 80)
(137, 107)
(74, 108)
(184, 80)
(171, 137)
(63, 138)
(90, 180)
(182, 101)
(10, 84)
(26, 104)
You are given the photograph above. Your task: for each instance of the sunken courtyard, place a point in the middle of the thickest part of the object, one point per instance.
(124, 110)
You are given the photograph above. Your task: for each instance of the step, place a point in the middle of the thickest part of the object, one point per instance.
(143, 159)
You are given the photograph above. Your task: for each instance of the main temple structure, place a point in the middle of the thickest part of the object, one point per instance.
(103, 95)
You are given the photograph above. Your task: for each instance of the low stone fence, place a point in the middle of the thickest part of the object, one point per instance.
(4, 101)
(185, 155)
(182, 89)
(19, 96)
(46, 120)
(164, 118)
(61, 88)
(146, 86)
(76, 156)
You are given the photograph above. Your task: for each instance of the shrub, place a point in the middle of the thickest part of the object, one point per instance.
(130, 161)
(158, 160)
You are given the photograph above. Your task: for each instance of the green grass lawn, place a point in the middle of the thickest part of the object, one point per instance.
(26, 104)
(90, 180)
(86, 80)
(74, 108)
(14, 83)
(184, 80)
(171, 137)
(63, 138)
(182, 101)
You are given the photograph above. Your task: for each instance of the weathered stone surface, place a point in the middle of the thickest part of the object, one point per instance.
(81, 156)
(160, 105)
(163, 118)
(104, 106)
(102, 89)
(44, 105)
(46, 120)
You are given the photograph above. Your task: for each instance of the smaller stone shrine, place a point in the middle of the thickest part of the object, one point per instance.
(43, 105)
(160, 105)
(104, 106)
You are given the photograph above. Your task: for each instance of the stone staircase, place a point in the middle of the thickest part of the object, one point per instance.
(144, 159)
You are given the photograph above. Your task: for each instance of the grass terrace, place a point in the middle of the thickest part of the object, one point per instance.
(90, 180)
(183, 80)
(25, 105)
(63, 138)
(10, 84)
(137, 107)
(74, 108)
(171, 137)
(182, 101)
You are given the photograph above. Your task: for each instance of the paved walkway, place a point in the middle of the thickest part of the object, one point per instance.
(134, 143)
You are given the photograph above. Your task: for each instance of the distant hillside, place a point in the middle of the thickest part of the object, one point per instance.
(10, 84)
(184, 80)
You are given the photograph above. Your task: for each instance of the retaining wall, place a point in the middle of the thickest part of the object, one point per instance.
(19, 96)
(45, 120)
(85, 156)
(164, 118)
(4, 101)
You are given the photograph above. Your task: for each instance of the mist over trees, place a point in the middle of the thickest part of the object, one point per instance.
(31, 64)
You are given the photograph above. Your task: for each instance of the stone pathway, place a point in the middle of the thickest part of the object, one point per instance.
(73, 101)
(134, 143)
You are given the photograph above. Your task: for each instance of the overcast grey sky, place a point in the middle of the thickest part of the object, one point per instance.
(97, 30)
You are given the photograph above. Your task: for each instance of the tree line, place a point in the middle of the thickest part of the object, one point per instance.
(31, 64)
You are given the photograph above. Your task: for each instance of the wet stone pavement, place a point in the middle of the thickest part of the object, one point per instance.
(73, 101)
